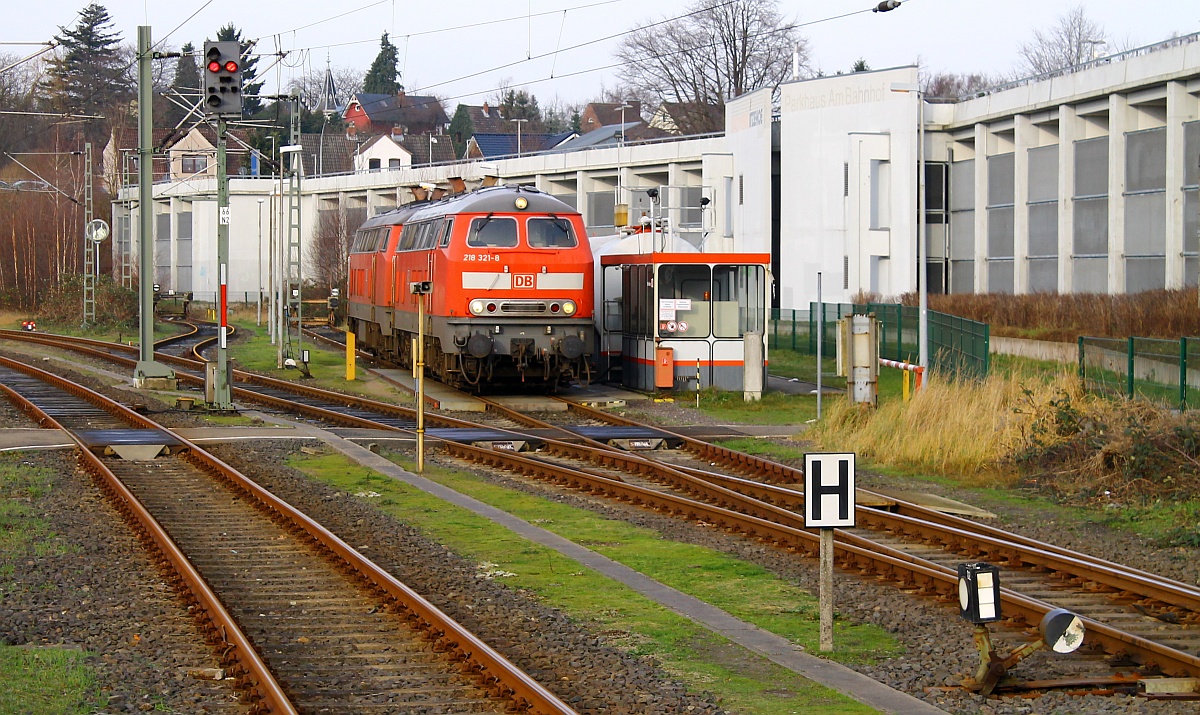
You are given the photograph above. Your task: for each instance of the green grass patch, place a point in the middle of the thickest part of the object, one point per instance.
(1168, 524)
(745, 682)
(223, 420)
(45, 680)
(762, 448)
(775, 408)
(34, 681)
(253, 350)
(23, 531)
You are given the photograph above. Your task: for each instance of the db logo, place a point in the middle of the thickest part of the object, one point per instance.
(522, 280)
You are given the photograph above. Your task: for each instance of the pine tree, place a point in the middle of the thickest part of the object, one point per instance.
(87, 75)
(520, 104)
(382, 76)
(186, 84)
(251, 104)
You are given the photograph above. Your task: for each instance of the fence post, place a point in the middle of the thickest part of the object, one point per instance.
(1183, 374)
(1082, 376)
(793, 330)
(811, 328)
(1129, 378)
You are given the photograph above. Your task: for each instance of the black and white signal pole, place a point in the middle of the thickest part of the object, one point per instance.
(222, 98)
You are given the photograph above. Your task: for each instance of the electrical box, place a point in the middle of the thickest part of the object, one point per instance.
(664, 368)
(858, 357)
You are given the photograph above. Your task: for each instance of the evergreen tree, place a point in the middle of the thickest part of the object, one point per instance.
(461, 129)
(520, 104)
(186, 84)
(87, 75)
(860, 65)
(250, 101)
(382, 77)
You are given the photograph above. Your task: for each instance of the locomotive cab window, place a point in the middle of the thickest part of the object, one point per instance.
(447, 227)
(550, 233)
(492, 232)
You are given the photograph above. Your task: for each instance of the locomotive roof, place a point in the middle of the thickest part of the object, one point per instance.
(494, 199)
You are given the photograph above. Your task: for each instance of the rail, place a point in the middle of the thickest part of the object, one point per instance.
(768, 513)
(491, 669)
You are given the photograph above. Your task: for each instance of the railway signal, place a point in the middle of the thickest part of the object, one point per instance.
(979, 602)
(223, 78)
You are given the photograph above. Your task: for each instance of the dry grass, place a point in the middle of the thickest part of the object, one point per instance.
(1046, 316)
(1036, 431)
(967, 430)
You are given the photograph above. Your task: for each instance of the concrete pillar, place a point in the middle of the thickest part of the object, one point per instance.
(1118, 124)
(581, 189)
(1024, 138)
(173, 207)
(981, 194)
(1070, 130)
(1180, 108)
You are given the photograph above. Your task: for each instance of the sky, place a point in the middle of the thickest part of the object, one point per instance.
(465, 50)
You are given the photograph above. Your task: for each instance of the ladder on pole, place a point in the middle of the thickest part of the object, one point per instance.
(294, 272)
(91, 251)
(123, 231)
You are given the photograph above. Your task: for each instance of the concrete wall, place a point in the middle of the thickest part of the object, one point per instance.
(1035, 349)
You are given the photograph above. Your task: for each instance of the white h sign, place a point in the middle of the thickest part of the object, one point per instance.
(828, 490)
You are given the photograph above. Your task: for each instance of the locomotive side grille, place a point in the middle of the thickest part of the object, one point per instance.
(523, 307)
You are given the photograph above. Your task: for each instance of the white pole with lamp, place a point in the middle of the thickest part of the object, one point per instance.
(258, 319)
(922, 260)
(922, 249)
(519, 122)
(432, 141)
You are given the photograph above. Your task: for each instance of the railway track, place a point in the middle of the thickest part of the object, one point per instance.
(302, 620)
(1133, 616)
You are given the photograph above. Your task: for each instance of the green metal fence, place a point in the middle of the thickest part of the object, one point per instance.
(1166, 372)
(955, 344)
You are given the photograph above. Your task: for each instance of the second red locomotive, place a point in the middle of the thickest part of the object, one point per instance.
(510, 299)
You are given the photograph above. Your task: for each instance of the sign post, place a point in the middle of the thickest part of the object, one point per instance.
(828, 505)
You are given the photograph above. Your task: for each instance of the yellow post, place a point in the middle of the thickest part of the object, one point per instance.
(349, 355)
(420, 384)
(904, 390)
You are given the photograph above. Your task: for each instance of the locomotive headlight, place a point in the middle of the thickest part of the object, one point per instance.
(521, 203)
(568, 307)
(477, 306)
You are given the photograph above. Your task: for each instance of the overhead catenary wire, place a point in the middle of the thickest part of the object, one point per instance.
(614, 65)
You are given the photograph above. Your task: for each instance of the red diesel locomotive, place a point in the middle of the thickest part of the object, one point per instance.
(508, 275)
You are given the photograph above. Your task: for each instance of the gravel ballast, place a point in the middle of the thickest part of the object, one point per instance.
(939, 647)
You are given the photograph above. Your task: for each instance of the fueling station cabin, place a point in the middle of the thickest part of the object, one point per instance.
(670, 315)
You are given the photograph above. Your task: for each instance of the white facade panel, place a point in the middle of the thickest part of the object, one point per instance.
(848, 158)
(748, 137)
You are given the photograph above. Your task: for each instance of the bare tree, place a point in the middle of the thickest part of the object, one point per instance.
(347, 82)
(18, 93)
(331, 246)
(720, 50)
(1072, 41)
(952, 86)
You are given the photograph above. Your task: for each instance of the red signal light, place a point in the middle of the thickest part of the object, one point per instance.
(231, 66)
(214, 66)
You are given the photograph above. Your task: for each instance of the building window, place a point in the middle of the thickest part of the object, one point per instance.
(373, 164)
(194, 164)
(394, 163)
